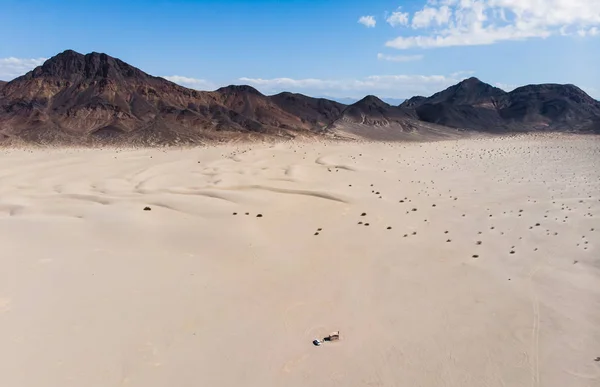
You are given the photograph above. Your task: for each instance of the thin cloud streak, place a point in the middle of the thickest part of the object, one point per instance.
(399, 58)
(393, 86)
(192, 83)
(11, 67)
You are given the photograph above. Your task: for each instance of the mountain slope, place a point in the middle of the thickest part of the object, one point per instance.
(316, 112)
(469, 104)
(74, 97)
(374, 112)
(475, 105)
(373, 119)
(470, 91)
(250, 103)
(564, 107)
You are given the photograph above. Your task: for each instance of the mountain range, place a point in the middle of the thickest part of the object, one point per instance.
(95, 99)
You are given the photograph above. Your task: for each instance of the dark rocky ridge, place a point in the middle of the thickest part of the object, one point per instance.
(95, 98)
(318, 112)
(373, 111)
(471, 91)
(475, 105)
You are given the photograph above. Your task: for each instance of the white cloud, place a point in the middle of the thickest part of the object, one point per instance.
(192, 83)
(481, 37)
(505, 86)
(393, 86)
(589, 32)
(397, 19)
(428, 15)
(482, 22)
(367, 21)
(399, 58)
(14, 67)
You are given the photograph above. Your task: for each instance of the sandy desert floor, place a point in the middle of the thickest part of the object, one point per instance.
(458, 263)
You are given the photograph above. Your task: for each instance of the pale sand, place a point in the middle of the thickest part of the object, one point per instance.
(94, 291)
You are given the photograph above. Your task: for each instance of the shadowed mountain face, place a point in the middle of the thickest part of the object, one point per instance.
(2, 83)
(317, 112)
(475, 105)
(468, 92)
(272, 111)
(562, 107)
(471, 104)
(373, 111)
(95, 98)
(374, 119)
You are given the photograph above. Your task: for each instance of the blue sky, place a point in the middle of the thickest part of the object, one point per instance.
(333, 48)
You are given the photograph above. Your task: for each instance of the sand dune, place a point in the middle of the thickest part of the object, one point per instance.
(476, 263)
